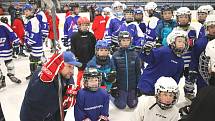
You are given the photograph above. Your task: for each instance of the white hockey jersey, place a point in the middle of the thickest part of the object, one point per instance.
(144, 112)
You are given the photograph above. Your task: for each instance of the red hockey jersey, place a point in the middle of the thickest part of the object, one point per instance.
(98, 27)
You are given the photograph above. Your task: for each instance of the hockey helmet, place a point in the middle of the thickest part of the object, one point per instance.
(102, 44)
(27, 7)
(171, 38)
(151, 6)
(123, 34)
(210, 20)
(166, 7)
(166, 84)
(89, 75)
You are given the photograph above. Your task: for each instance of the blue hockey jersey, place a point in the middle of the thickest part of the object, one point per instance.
(135, 32)
(8, 39)
(70, 26)
(113, 24)
(161, 62)
(198, 48)
(91, 104)
(33, 37)
(150, 29)
(43, 22)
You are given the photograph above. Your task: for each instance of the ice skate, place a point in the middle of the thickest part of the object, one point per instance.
(13, 78)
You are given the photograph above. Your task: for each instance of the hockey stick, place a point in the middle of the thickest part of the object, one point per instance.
(52, 6)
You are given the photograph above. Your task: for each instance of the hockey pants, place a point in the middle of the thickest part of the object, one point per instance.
(34, 63)
(126, 97)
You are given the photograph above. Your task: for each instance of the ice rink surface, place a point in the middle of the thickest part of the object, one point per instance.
(11, 97)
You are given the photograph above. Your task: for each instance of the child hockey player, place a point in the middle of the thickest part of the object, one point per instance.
(99, 24)
(33, 38)
(165, 24)
(128, 69)
(159, 59)
(132, 27)
(151, 24)
(41, 18)
(83, 45)
(114, 23)
(102, 62)
(8, 40)
(92, 101)
(71, 24)
(138, 17)
(198, 48)
(19, 29)
(160, 107)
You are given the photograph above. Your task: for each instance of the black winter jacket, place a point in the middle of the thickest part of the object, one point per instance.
(128, 68)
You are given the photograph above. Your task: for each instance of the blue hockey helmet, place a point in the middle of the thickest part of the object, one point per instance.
(27, 7)
(99, 9)
(102, 44)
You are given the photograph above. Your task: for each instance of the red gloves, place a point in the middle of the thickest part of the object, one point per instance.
(52, 67)
(69, 99)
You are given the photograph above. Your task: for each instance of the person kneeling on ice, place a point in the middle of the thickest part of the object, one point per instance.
(92, 101)
(160, 107)
(41, 100)
(102, 62)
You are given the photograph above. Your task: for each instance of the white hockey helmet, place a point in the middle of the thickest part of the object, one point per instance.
(210, 20)
(203, 9)
(107, 9)
(210, 9)
(183, 11)
(207, 61)
(151, 6)
(116, 4)
(166, 84)
(171, 41)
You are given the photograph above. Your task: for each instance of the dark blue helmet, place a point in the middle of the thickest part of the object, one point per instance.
(166, 7)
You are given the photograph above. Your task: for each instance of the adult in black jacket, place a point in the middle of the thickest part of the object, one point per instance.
(128, 70)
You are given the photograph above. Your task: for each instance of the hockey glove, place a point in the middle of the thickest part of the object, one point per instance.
(69, 99)
(189, 90)
(184, 111)
(193, 76)
(51, 68)
(111, 77)
(148, 47)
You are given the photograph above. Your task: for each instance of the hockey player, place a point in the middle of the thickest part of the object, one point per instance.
(198, 48)
(71, 24)
(19, 29)
(132, 27)
(128, 70)
(165, 24)
(160, 107)
(54, 42)
(159, 59)
(151, 24)
(102, 62)
(114, 22)
(41, 17)
(92, 101)
(33, 38)
(99, 24)
(8, 40)
(107, 13)
(83, 45)
(138, 17)
(41, 100)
